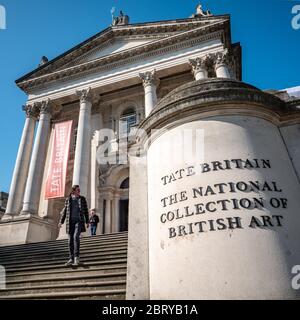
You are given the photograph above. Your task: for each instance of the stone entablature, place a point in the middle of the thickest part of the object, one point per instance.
(161, 29)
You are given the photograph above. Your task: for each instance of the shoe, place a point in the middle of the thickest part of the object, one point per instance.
(76, 262)
(69, 262)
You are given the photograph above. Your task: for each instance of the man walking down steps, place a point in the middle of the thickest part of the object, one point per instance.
(75, 213)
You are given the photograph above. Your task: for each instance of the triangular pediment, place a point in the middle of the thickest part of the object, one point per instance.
(109, 48)
(115, 43)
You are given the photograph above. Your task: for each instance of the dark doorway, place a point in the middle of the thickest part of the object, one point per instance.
(123, 215)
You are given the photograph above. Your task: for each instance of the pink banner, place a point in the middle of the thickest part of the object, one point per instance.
(56, 179)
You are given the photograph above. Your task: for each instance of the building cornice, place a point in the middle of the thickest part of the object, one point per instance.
(204, 32)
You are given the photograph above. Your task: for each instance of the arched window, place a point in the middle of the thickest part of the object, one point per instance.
(125, 184)
(127, 121)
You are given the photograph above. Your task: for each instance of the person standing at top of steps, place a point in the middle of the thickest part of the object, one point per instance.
(75, 213)
(94, 220)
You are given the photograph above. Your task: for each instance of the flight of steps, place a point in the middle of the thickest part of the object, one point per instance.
(37, 271)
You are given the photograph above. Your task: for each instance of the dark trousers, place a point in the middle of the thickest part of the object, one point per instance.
(93, 229)
(74, 239)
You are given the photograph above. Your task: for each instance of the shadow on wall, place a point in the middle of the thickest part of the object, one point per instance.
(3, 202)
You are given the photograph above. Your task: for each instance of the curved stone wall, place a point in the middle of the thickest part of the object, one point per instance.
(223, 195)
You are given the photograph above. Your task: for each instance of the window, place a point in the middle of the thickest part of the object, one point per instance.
(125, 184)
(127, 121)
(73, 144)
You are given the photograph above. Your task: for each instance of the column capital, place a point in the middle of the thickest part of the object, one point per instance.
(198, 63)
(221, 58)
(200, 67)
(85, 95)
(31, 111)
(223, 62)
(149, 78)
(43, 107)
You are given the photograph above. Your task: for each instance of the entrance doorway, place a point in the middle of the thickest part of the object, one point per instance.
(124, 215)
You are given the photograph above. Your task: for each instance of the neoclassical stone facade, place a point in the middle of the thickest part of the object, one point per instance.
(132, 91)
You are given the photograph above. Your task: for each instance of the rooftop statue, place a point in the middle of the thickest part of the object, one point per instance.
(200, 12)
(121, 20)
(44, 60)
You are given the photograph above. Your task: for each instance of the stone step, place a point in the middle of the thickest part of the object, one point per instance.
(60, 243)
(87, 286)
(87, 239)
(38, 271)
(95, 297)
(29, 282)
(55, 242)
(63, 259)
(116, 294)
(84, 264)
(65, 272)
(98, 244)
(63, 267)
(58, 254)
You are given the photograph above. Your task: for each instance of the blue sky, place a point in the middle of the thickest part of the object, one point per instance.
(271, 47)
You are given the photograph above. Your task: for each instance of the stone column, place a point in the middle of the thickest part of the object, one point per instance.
(83, 143)
(100, 229)
(150, 82)
(94, 171)
(199, 68)
(36, 169)
(221, 65)
(108, 216)
(116, 217)
(18, 183)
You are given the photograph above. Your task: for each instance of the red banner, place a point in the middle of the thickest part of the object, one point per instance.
(56, 179)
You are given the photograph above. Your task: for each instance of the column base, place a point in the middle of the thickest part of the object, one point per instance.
(7, 216)
(27, 214)
(26, 229)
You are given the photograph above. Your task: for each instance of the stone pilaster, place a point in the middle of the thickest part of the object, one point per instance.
(108, 216)
(18, 184)
(83, 143)
(37, 164)
(116, 215)
(150, 83)
(199, 67)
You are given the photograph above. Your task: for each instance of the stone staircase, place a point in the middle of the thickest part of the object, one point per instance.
(37, 271)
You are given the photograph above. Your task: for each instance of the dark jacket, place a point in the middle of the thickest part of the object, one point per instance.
(84, 213)
(94, 220)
